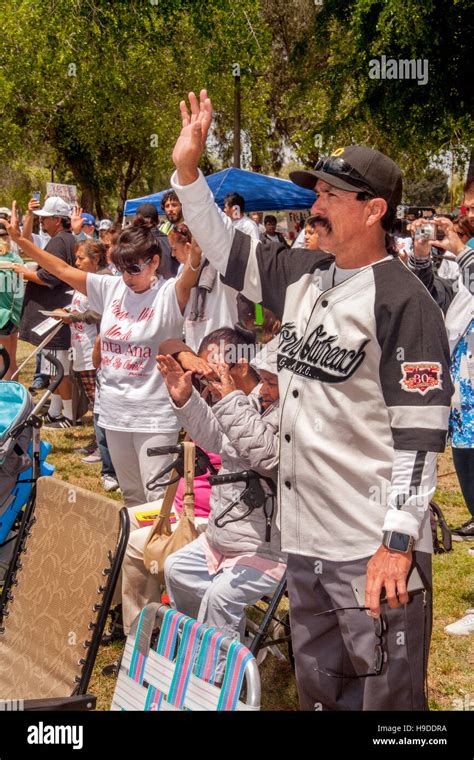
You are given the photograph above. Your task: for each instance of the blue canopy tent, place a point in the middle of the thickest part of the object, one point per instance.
(261, 193)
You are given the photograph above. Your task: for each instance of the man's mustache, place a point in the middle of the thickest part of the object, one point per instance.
(323, 221)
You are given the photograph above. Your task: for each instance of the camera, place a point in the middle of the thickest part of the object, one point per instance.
(429, 231)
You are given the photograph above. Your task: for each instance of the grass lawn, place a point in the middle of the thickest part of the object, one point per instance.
(451, 683)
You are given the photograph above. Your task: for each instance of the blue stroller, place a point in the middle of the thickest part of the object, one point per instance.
(22, 461)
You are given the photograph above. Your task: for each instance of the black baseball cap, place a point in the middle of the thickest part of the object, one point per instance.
(355, 169)
(148, 211)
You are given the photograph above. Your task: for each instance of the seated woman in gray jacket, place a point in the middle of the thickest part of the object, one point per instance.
(225, 569)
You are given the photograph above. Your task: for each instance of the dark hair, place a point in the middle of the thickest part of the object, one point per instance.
(270, 218)
(271, 325)
(462, 221)
(65, 223)
(170, 195)
(147, 211)
(250, 336)
(235, 199)
(468, 185)
(387, 221)
(94, 250)
(230, 338)
(310, 222)
(400, 228)
(135, 242)
(183, 231)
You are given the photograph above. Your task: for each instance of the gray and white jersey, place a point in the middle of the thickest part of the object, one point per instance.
(364, 387)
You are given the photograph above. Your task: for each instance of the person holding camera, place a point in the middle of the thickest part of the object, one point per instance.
(363, 364)
(456, 299)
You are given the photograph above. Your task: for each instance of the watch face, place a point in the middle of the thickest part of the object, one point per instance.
(399, 541)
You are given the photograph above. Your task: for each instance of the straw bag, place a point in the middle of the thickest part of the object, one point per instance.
(161, 541)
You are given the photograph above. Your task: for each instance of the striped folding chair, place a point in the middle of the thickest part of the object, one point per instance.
(180, 673)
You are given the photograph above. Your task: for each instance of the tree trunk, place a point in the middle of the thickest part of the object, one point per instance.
(87, 199)
(133, 170)
(98, 204)
(470, 168)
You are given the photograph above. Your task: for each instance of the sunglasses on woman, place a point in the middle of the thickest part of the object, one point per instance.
(134, 269)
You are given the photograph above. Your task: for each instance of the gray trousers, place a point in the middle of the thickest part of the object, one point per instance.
(133, 467)
(218, 600)
(344, 642)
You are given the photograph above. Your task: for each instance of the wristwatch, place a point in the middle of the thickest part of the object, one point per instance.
(398, 542)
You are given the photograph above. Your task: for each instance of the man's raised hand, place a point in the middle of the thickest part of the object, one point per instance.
(76, 220)
(192, 138)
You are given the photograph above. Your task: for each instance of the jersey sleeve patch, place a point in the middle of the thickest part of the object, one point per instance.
(421, 377)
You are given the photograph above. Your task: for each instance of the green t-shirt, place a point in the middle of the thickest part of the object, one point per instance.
(11, 292)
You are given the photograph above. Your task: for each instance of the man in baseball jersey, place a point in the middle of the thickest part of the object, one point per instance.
(364, 381)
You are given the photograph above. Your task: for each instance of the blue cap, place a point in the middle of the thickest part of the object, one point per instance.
(88, 218)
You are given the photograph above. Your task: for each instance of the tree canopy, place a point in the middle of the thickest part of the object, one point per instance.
(92, 87)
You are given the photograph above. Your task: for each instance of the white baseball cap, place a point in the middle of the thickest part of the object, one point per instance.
(54, 206)
(4, 211)
(105, 224)
(266, 358)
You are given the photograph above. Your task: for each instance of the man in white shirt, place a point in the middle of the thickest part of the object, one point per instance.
(234, 207)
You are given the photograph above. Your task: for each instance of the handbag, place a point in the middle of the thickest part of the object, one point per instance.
(162, 541)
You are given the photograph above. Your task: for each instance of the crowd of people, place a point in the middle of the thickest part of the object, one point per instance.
(342, 401)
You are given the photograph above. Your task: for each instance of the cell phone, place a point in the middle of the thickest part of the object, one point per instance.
(358, 586)
(36, 195)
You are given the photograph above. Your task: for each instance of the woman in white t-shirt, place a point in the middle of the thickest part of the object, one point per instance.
(212, 304)
(139, 310)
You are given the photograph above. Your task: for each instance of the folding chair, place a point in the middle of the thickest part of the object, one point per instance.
(57, 601)
(180, 674)
(268, 627)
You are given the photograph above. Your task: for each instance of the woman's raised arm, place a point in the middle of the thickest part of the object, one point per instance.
(74, 277)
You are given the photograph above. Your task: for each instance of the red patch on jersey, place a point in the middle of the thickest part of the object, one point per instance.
(421, 377)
